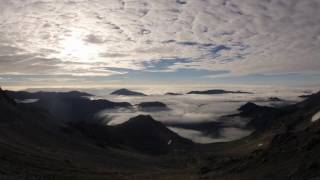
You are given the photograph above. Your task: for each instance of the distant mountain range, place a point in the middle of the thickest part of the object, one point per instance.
(218, 91)
(127, 92)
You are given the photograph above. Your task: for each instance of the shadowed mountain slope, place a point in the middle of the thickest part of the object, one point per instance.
(286, 148)
(141, 133)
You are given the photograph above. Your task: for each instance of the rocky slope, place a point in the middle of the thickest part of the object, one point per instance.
(285, 148)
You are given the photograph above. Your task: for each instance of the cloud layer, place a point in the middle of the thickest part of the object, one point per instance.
(198, 117)
(87, 38)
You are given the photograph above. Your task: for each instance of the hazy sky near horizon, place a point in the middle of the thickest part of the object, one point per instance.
(94, 42)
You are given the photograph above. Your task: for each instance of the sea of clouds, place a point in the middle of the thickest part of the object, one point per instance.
(198, 109)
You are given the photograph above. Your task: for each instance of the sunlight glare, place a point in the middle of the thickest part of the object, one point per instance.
(75, 49)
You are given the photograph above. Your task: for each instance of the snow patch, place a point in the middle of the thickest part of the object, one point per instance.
(315, 117)
(26, 101)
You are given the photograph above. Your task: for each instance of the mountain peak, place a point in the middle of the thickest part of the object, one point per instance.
(148, 135)
(141, 120)
(127, 92)
(249, 106)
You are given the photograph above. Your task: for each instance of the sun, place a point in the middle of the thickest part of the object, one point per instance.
(73, 48)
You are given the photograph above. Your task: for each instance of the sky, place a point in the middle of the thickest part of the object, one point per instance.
(93, 43)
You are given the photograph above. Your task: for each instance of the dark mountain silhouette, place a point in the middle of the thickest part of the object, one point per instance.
(151, 136)
(152, 106)
(305, 95)
(127, 92)
(8, 108)
(69, 106)
(253, 110)
(249, 108)
(46, 95)
(173, 94)
(4, 98)
(264, 118)
(218, 91)
(260, 116)
(141, 133)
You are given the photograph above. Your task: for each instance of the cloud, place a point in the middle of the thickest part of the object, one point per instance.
(243, 38)
(33, 64)
(228, 134)
(219, 48)
(91, 38)
(188, 112)
(163, 64)
(315, 117)
(196, 136)
(113, 55)
(186, 109)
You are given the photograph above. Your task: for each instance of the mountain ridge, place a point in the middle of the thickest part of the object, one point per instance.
(218, 91)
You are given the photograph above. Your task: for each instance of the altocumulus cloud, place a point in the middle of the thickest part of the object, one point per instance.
(83, 38)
